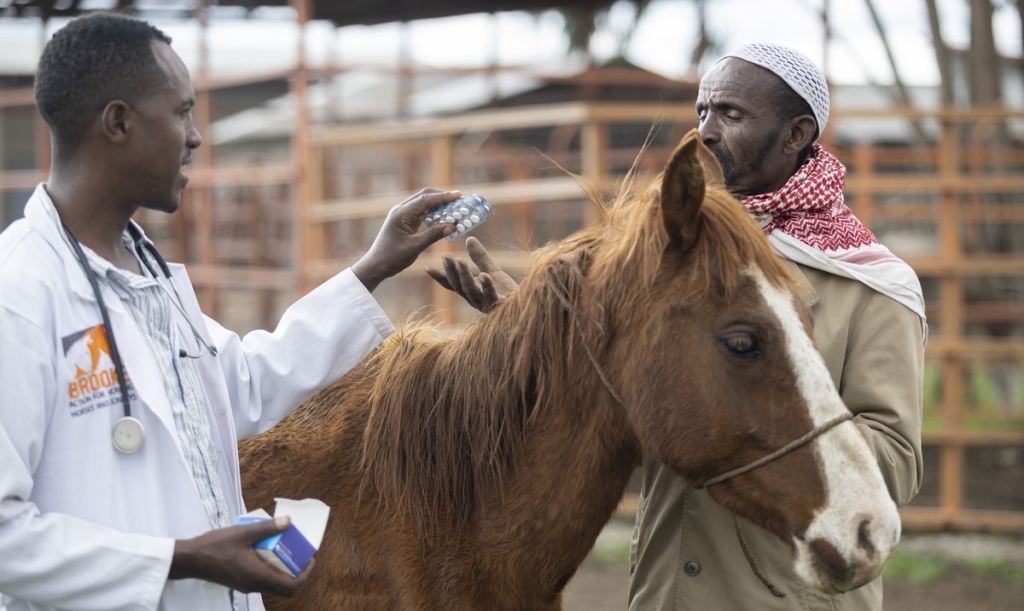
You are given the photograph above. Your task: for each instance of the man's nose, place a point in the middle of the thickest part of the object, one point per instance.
(708, 130)
(194, 139)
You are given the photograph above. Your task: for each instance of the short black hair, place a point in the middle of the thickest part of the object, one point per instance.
(789, 104)
(91, 61)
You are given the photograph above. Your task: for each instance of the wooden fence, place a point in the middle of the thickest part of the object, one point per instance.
(953, 207)
(965, 193)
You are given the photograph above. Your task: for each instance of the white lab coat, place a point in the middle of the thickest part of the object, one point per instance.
(83, 526)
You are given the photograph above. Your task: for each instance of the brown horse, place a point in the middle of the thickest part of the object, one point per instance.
(476, 472)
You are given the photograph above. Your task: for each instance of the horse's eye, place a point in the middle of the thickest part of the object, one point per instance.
(742, 344)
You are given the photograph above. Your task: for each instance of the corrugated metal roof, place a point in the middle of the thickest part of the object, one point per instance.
(347, 12)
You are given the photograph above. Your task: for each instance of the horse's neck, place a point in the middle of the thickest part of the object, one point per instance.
(576, 462)
(577, 453)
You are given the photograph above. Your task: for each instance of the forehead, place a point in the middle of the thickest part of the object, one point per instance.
(178, 81)
(737, 81)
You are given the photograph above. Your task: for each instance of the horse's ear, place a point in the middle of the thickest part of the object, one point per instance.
(713, 175)
(682, 189)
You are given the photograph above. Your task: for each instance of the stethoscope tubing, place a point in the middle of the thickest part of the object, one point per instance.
(133, 425)
(115, 354)
(137, 240)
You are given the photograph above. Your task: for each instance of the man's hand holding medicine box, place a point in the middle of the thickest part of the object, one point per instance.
(290, 551)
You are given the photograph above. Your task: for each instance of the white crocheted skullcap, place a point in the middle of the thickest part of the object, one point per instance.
(796, 69)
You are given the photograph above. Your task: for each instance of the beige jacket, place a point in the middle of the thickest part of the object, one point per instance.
(874, 349)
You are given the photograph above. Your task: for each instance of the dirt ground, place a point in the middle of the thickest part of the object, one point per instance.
(602, 587)
(934, 574)
(928, 572)
(959, 589)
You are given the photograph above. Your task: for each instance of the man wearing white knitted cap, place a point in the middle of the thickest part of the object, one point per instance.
(761, 110)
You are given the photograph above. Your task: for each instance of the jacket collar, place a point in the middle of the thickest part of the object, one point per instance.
(42, 217)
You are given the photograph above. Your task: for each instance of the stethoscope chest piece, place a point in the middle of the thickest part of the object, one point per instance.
(128, 434)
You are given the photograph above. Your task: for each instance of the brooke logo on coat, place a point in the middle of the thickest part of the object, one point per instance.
(94, 380)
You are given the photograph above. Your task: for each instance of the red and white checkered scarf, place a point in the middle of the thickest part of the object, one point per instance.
(806, 221)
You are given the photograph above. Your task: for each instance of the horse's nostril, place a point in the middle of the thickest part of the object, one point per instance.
(831, 564)
(864, 538)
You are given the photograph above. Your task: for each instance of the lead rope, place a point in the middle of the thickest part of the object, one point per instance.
(774, 589)
(789, 447)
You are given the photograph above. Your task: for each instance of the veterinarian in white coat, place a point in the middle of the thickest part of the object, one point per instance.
(68, 498)
(85, 525)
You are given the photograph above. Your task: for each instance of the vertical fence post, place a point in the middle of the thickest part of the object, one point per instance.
(865, 193)
(442, 176)
(593, 159)
(302, 224)
(951, 293)
(202, 198)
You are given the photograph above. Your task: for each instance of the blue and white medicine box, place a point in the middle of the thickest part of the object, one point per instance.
(291, 550)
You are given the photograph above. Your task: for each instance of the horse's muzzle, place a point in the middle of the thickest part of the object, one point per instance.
(841, 572)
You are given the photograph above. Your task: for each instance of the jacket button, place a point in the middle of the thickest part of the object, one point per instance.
(692, 568)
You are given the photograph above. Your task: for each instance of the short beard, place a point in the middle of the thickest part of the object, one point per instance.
(766, 148)
(725, 160)
(734, 176)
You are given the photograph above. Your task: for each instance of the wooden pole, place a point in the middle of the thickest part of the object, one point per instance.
(202, 197)
(951, 325)
(442, 170)
(865, 196)
(42, 130)
(594, 160)
(303, 253)
(405, 69)
(826, 44)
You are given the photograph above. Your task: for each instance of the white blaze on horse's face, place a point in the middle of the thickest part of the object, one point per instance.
(852, 535)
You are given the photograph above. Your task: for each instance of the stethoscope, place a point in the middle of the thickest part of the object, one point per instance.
(129, 433)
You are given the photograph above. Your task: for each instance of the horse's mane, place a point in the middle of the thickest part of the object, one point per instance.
(448, 416)
(728, 243)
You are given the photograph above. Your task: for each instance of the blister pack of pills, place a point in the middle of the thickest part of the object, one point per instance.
(466, 213)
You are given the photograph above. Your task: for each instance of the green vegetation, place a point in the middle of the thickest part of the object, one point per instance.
(931, 389)
(1005, 570)
(923, 569)
(909, 567)
(915, 568)
(933, 422)
(986, 408)
(982, 390)
(610, 552)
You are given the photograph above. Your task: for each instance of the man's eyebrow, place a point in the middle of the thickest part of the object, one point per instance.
(718, 105)
(189, 102)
